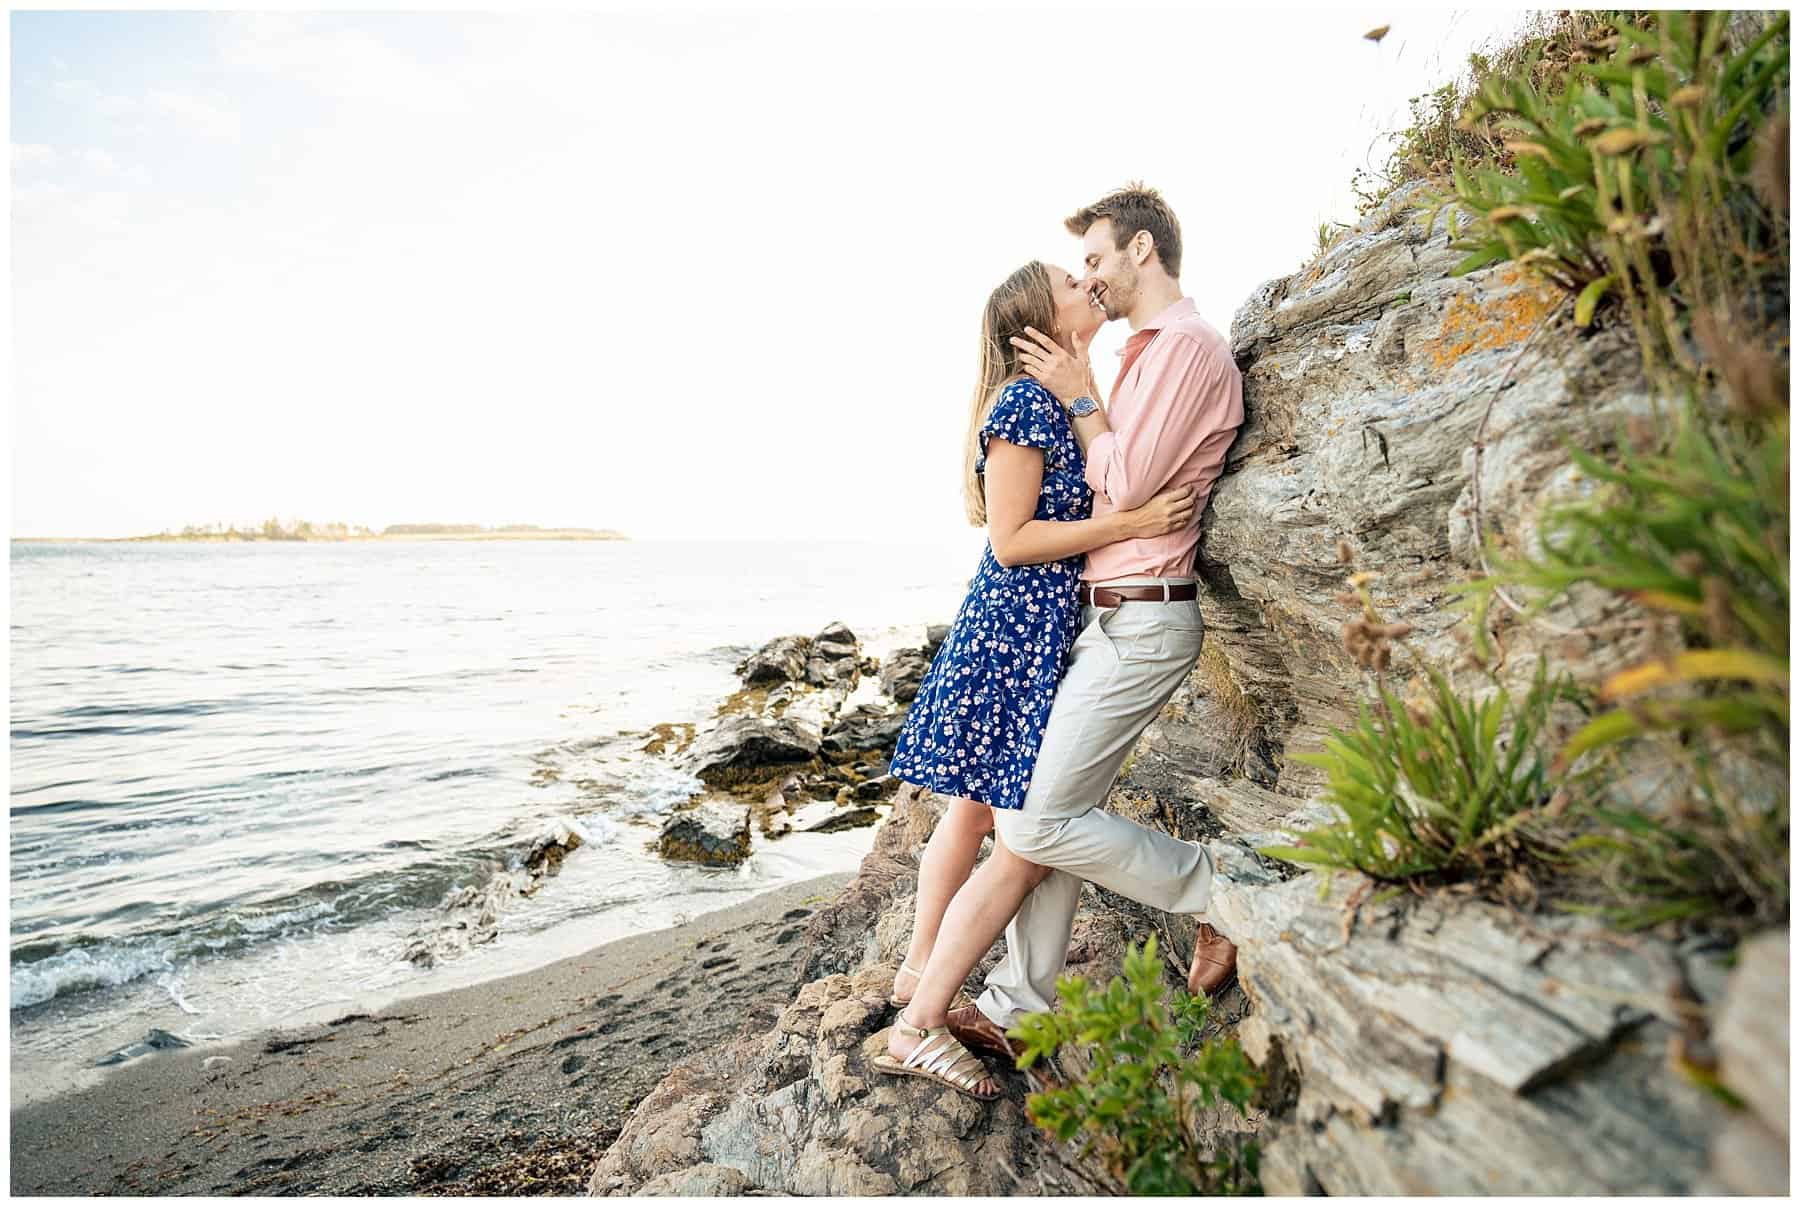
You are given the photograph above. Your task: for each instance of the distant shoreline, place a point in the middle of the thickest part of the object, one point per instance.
(542, 534)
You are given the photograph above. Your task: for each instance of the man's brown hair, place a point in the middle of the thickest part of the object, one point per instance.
(1136, 207)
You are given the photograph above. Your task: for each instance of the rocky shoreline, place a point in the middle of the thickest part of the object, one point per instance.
(801, 748)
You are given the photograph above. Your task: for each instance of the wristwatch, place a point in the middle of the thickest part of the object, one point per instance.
(1083, 407)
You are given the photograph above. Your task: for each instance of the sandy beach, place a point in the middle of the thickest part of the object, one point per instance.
(512, 1086)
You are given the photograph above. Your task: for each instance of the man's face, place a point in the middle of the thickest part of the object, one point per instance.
(1111, 273)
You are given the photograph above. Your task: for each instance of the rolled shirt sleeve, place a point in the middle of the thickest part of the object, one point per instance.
(1148, 444)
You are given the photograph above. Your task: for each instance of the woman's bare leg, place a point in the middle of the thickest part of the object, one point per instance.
(976, 916)
(944, 867)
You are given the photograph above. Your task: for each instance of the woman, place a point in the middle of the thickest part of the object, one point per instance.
(974, 729)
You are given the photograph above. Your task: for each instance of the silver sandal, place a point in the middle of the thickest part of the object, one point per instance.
(940, 1057)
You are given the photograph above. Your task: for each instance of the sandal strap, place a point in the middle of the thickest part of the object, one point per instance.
(943, 1055)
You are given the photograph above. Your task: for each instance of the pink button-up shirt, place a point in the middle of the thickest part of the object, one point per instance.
(1175, 410)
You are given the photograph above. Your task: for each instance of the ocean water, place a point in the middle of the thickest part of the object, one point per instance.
(245, 776)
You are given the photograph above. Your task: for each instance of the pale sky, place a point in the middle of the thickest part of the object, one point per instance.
(689, 275)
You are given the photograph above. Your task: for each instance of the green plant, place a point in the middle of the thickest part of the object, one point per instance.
(1710, 852)
(1441, 787)
(1626, 182)
(1658, 179)
(1697, 532)
(1549, 45)
(1148, 1069)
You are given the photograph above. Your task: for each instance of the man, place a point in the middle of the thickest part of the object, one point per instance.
(1174, 411)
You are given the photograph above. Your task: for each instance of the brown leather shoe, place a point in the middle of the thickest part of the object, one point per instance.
(1214, 966)
(977, 1030)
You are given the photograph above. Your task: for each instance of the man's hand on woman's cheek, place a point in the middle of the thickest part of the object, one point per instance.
(1063, 374)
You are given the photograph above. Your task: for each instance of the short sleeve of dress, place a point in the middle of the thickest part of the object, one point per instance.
(1024, 414)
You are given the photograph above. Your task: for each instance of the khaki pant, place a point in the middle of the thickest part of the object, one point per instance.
(1126, 664)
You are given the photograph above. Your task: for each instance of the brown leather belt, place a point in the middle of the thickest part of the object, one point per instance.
(1112, 597)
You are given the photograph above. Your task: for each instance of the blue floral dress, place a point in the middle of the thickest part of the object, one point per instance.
(977, 722)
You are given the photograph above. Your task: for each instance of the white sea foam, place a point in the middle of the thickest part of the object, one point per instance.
(171, 984)
(594, 828)
(87, 968)
(118, 961)
(652, 788)
(258, 923)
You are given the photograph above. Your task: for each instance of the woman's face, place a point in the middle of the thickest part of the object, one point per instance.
(1078, 315)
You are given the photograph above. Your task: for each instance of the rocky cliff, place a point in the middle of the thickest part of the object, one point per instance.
(1443, 1045)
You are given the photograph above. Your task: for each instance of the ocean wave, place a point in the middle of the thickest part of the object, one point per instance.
(96, 967)
(48, 968)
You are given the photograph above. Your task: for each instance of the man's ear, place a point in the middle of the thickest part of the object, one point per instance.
(1143, 246)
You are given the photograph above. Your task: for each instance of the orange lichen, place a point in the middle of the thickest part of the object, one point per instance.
(1472, 325)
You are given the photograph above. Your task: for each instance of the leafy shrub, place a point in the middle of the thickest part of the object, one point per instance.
(1148, 1069)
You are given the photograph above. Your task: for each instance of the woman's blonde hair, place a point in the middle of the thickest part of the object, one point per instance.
(1022, 300)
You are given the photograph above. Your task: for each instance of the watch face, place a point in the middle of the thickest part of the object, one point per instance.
(1083, 406)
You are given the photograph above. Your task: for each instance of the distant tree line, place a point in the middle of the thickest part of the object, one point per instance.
(272, 529)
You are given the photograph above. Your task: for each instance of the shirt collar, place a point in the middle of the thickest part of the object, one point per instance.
(1178, 309)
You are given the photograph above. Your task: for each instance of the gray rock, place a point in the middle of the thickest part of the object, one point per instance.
(545, 856)
(876, 787)
(1445, 1048)
(155, 1040)
(779, 661)
(699, 1181)
(834, 658)
(471, 914)
(747, 740)
(714, 832)
(825, 817)
(811, 711)
(902, 673)
(1751, 1034)
(905, 668)
(866, 727)
(1366, 378)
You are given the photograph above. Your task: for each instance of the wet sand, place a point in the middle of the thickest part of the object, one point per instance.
(512, 1086)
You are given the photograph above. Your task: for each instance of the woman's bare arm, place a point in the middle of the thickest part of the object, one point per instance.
(1015, 475)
